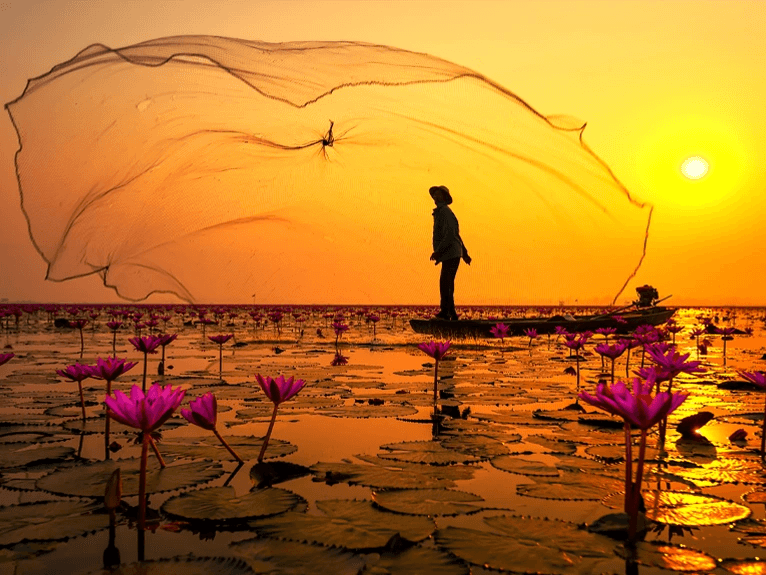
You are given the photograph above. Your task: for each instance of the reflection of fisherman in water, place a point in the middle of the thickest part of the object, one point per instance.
(448, 249)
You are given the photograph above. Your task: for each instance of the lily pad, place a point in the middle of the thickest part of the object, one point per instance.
(571, 486)
(183, 566)
(523, 466)
(532, 546)
(90, 480)
(25, 456)
(424, 452)
(384, 474)
(553, 445)
(268, 473)
(367, 411)
(349, 524)
(744, 566)
(221, 505)
(691, 509)
(49, 521)
(416, 560)
(433, 502)
(479, 446)
(247, 447)
(278, 557)
(667, 556)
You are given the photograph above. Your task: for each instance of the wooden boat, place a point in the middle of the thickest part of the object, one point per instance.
(623, 321)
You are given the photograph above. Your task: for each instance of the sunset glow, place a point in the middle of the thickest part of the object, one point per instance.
(694, 168)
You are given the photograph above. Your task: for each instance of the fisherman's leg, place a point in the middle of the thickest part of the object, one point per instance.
(449, 271)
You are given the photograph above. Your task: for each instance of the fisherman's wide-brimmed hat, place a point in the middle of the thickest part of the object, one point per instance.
(447, 195)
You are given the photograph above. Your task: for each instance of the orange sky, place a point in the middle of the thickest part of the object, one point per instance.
(655, 81)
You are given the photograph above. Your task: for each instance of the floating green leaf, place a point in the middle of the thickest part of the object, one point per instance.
(691, 509)
(532, 546)
(278, 557)
(424, 452)
(209, 447)
(49, 521)
(346, 523)
(433, 502)
(89, 480)
(220, 504)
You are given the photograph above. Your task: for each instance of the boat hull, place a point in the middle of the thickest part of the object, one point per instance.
(517, 326)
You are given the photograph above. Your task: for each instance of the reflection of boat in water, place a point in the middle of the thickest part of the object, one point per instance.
(623, 321)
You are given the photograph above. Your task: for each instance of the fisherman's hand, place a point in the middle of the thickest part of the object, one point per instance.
(467, 259)
(433, 256)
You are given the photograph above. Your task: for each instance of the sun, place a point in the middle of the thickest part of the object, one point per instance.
(694, 167)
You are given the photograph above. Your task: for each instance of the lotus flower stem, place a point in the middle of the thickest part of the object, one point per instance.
(108, 420)
(157, 452)
(220, 361)
(142, 483)
(436, 381)
(143, 381)
(628, 468)
(228, 447)
(636, 490)
(763, 433)
(114, 343)
(82, 399)
(268, 434)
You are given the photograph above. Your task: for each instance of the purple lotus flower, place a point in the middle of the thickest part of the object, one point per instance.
(77, 372)
(203, 412)
(146, 344)
(147, 412)
(110, 369)
(278, 391)
(637, 407)
(220, 339)
(436, 349)
(500, 330)
(6, 357)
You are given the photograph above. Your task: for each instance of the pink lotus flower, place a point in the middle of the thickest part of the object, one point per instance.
(278, 391)
(635, 405)
(110, 369)
(500, 330)
(6, 357)
(671, 361)
(203, 412)
(220, 339)
(639, 408)
(436, 349)
(531, 333)
(146, 412)
(78, 373)
(146, 344)
(611, 351)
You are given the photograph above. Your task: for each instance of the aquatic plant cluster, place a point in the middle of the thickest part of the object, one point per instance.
(499, 455)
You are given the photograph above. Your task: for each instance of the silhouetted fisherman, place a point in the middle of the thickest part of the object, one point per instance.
(448, 249)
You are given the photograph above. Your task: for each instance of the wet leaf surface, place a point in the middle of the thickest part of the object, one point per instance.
(432, 502)
(49, 521)
(691, 509)
(532, 546)
(89, 480)
(347, 524)
(221, 505)
(277, 557)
